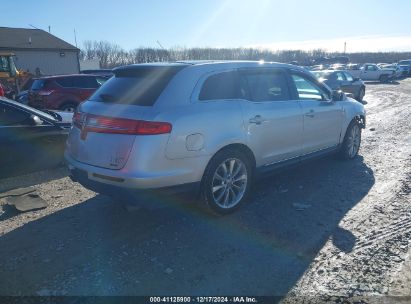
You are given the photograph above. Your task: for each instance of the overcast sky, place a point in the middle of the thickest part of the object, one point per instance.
(366, 25)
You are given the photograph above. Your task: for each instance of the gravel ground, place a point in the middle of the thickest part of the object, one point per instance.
(321, 232)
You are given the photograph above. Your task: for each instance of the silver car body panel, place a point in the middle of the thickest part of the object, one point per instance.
(201, 128)
(322, 125)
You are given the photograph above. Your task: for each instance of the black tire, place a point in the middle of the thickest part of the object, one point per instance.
(361, 94)
(384, 78)
(347, 150)
(228, 184)
(68, 107)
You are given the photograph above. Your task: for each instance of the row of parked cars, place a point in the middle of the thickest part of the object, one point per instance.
(34, 130)
(65, 92)
(383, 72)
(350, 77)
(210, 127)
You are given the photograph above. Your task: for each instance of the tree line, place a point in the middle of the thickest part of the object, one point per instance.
(112, 55)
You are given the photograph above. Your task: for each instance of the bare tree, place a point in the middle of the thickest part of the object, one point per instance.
(112, 55)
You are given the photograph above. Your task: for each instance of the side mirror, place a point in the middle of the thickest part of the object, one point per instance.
(355, 79)
(338, 95)
(34, 120)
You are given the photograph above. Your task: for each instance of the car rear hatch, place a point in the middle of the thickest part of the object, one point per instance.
(106, 126)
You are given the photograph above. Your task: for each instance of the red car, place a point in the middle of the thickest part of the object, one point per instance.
(63, 92)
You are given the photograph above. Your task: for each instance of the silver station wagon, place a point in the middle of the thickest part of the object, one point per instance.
(211, 126)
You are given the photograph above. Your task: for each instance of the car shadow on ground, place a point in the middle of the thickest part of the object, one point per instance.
(32, 178)
(98, 248)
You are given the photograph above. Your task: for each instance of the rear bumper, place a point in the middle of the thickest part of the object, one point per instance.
(108, 181)
(80, 176)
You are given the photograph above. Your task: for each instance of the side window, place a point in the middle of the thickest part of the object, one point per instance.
(10, 116)
(266, 86)
(221, 86)
(349, 77)
(370, 68)
(86, 82)
(4, 64)
(340, 76)
(65, 82)
(308, 90)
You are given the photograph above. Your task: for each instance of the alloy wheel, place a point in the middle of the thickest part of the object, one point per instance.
(229, 183)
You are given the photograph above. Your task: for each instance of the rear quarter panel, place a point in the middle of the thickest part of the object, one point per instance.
(203, 128)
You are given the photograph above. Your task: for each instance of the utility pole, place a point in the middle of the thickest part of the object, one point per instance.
(75, 37)
(345, 47)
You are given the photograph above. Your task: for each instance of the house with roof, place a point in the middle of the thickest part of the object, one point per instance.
(39, 52)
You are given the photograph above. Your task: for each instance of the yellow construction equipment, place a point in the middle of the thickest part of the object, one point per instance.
(10, 78)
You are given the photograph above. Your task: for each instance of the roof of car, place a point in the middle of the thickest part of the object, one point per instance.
(212, 63)
(326, 71)
(68, 76)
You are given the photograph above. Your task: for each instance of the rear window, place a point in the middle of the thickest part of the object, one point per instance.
(320, 74)
(38, 84)
(136, 86)
(221, 86)
(82, 82)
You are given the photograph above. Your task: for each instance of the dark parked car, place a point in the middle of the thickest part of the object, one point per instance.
(30, 139)
(63, 92)
(344, 81)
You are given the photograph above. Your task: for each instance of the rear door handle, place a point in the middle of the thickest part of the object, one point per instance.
(310, 114)
(258, 120)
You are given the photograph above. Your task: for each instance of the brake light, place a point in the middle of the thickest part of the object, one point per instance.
(45, 92)
(102, 124)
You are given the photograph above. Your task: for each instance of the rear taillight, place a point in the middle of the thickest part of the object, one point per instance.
(45, 92)
(111, 125)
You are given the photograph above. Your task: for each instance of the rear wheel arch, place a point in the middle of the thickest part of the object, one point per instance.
(234, 147)
(384, 78)
(68, 103)
(241, 148)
